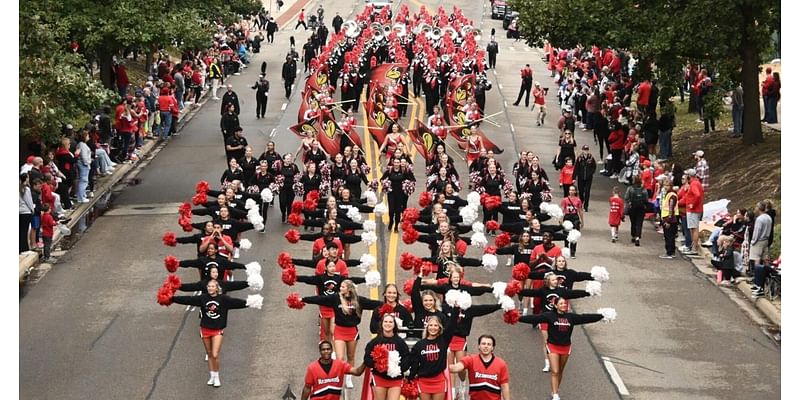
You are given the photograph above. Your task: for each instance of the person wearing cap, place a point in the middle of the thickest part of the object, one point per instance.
(25, 168)
(702, 168)
(262, 94)
(525, 86)
(669, 217)
(585, 166)
(230, 97)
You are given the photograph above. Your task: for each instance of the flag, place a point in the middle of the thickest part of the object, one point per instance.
(423, 139)
(377, 121)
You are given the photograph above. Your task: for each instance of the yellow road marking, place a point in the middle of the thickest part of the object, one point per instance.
(373, 249)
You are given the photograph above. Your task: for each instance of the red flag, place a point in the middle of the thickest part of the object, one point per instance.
(423, 139)
(458, 91)
(377, 121)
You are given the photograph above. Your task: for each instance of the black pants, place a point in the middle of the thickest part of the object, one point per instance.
(285, 199)
(301, 23)
(63, 191)
(397, 204)
(126, 143)
(637, 219)
(524, 89)
(603, 143)
(261, 106)
(24, 225)
(490, 215)
(584, 190)
(670, 234)
(288, 86)
(492, 60)
(270, 36)
(616, 161)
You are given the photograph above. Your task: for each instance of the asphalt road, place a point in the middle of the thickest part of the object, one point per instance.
(92, 329)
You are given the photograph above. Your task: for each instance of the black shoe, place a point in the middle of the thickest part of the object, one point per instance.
(516, 104)
(636, 243)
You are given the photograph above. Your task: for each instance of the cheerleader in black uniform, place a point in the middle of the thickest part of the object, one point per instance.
(263, 179)
(393, 180)
(437, 183)
(206, 230)
(566, 277)
(538, 190)
(492, 184)
(232, 173)
(271, 157)
(425, 304)
(212, 209)
(288, 170)
(391, 298)
(353, 178)
(448, 256)
(310, 180)
(521, 250)
(435, 239)
(226, 286)
(428, 359)
(451, 198)
(386, 384)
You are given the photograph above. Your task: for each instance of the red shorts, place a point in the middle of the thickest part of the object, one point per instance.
(563, 350)
(326, 312)
(386, 383)
(207, 333)
(458, 343)
(433, 385)
(346, 333)
(543, 326)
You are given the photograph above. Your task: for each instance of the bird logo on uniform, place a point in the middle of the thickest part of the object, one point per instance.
(322, 79)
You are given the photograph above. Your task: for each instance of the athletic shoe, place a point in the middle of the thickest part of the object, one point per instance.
(758, 293)
(216, 381)
(556, 397)
(636, 242)
(210, 380)
(666, 256)
(684, 249)
(348, 381)
(508, 262)
(691, 253)
(546, 366)
(707, 243)
(614, 176)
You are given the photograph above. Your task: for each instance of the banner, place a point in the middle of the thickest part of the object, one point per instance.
(458, 91)
(325, 130)
(381, 76)
(314, 83)
(424, 140)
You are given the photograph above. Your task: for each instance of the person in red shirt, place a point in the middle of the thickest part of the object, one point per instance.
(488, 374)
(538, 101)
(765, 89)
(643, 99)
(47, 225)
(616, 141)
(616, 208)
(122, 79)
(325, 377)
(301, 19)
(566, 178)
(547, 247)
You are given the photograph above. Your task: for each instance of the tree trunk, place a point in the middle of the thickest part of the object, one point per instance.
(104, 62)
(751, 118)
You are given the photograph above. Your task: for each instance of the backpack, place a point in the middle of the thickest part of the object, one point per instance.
(638, 198)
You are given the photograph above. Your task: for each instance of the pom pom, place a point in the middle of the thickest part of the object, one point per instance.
(164, 296)
(186, 223)
(493, 202)
(409, 261)
(255, 282)
(499, 289)
(284, 259)
(295, 301)
(314, 195)
(309, 204)
(201, 187)
(409, 389)
(385, 309)
(594, 288)
(292, 236)
(492, 225)
(544, 206)
(295, 219)
(609, 314)
(393, 369)
(289, 276)
(511, 317)
(464, 300)
(507, 303)
(567, 225)
(555, 212)
(380, 358)
(461, 247)
(410, 236)
(171, 263)
(409, 186)
(425, 199)
(489, 262)
(297, 206)
(250, 204)
(173, 281)
(573, 236)
(410, 215)
(478, 227)
(368, 260)
(479, 240)
(369, 238)
(353, 214)
(520, 271)
(373, 279)
(407, 304)
(259, 226)
(502, 240)
(484, 197)
(200, 199)
(407, 286)
(254, 301)
(372, 198)
(252, 268)
(169, 239)
(490, 250)
(565, 252)
(426, 268)
(185, 209)
(451, 297)
(255, 218)
(245, 244)
(468, 214)
(474, 199)
(513, 287)
(600, 274)
(369, 225)
(380, 209)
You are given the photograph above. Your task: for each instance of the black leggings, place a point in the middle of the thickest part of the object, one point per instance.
(637, 219)
(24, 225)
(397, 204)
(285, 197)
(616, 161)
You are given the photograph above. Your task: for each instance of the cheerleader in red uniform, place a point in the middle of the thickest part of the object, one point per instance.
(474, 147)
(392, 141)
(616, 214)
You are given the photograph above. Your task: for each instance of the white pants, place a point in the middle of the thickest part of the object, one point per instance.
(214, 87)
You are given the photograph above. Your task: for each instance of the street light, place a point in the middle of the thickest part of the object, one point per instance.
(288, 395)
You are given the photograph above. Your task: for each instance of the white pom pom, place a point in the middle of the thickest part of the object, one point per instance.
(555, 212)
(594, 288)
(394, 364)
(489, 262)
(369, 225)
(368, 260)
(544, 206)
(450, 297)
(254, 301)
(507, 303)
(479, 240)
(474, 199)
(258, 227)
(567, 225)
(380, 209)
(469, 214)
(573, 236)
(255, 219)
(373, 279)
(464, 300)
(609, 314)
(253, 268)
(478, 227)
(499, 289)
(255, 282)
(353, 214)
(250, 204)
(266, 195)
(372, 199)
(600, 274)
(369, 238)
(565, 252)
(245, 244)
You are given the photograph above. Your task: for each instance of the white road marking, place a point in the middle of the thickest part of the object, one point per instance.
(512, 48)
(512, 128)
(505, 104)
(615, 377)
(500, 85)
(283, 107)
(272, 134)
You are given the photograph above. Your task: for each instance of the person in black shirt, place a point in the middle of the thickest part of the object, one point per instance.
(337, 23)
(249, 165)
(262, 92)
(230, 97)
(288, 170)
(386, 384)
(395, 177)
(235, 145)
(289, 74)
(229, 122)
(272, 27)
(309, 52)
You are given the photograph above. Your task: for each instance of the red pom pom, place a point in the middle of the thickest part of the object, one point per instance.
(407, 286)
(171, 263)
(410, 215)
(484, 196)
(409, 261)
(426, 267)
(461, 247)
(200, 199)
(520, 271)
(164, 296)
(185, 209)
(410, 236)
(314, 194)
(493, 202)
(297, 206)
(292, 235)
(380, 358)
(404, 226)
(173, 282)
(201, 187)
(186, 223)
(284, 260)
(490, 250)
(309, 204)
(425, 199)
(511, 317)
(408, 305)
(502, 240)
(289, 276)
(295, 301)
(492, 225)
(386, 309)
(169, 239)
(513, 287)
(409, 389)
(296, 219)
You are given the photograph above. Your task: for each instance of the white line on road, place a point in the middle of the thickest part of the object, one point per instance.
(615, 377)
(283, 107)
(512, 48)
(500, 85)
(272, 134)
(512, 128)
(505, 104)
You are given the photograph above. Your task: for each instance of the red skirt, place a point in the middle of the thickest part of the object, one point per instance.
(433, 385)
(563, 350)
(326, 312)
(346, 333)
(207, 333)
(458, 343)
(543, 326)
(378, 381)
(472, 157)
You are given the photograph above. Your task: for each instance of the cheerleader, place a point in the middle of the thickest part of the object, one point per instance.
(424, 303)
(325, 375)
(573, 212)
(319, 262)
(386, 383)
(443, 161)
(212, 209)
(354, 176)
(436, 238)
(537, 190)
(560, 324)
(428, 360)
(310, 180)
(436, 124)
(393, 180)
(288, 170)
(270, 156)
(447, 256)
(616, 207)
(451, 199)
(316, 155)
(492, 184)
(211, 259)
(337, 171)
(347, 308)
(214, 307)
(233, 172)
(206, 230)
(437, 183)
(392, 141)
(231, 228)
(474, 146)
(225, 286)
(263, 179)
(566, 277)
(521, 251)
(391, 298)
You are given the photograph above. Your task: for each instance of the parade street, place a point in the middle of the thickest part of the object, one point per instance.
(92, 329)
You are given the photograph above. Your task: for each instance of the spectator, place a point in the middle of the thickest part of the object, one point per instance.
(122, 78)
(737, 110)
(724, 262)
(772, 214)
(734, 227)
(665, 125)
(25, 168)
(48, 223)
(180, 86)
(26, 212)
(166, 104)
(636, 204)
(65, 161)
(759, 238)
(83, 155)
(702, 168)
(215, 74)
(693, 201)
(669, 217)
(765, 92)
(760, 276)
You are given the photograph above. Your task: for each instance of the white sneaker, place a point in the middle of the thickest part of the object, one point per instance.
(546, 366)
(508, 262)
(348, 381)
(210, 379)
(556, 397)
(217, 383)
(615, 176)
(236, 252)
(525, 311)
